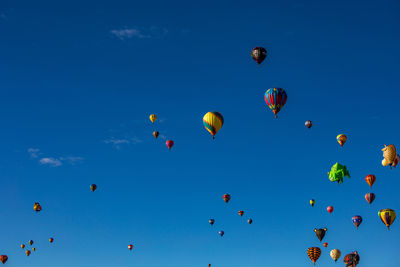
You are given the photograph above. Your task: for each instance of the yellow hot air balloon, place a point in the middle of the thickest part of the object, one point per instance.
(387, 216)
(28, 252)
(153, 118)
(335, 254)
(22, 246)
(341, 138)
(33, 249)
(213, 122)
(389, 155)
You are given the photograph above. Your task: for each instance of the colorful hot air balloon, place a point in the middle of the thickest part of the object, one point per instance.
(357, 220)
(259, 54)
(226, 198)
(130, 246)
(30, 242)
(213, 122)
(276, 99)
(325, 244)
(370, 197)
(241, 212)
(335, 254)
(352, 259)
(249, 221)
(370, 179)
(153, 118)
(314, 253)
(37, 207)
(156, 134)
(93, 187)
(211, 221)
(338, 172)
(308, 124)
(387, 216)
(51, 240)
(28, 252)
(33, 249)
(3, 259)
(221, 233)
(389, 156)
(22, 246)
(312, 202)
(169, 144)
(341, 138)
(329, 209)
(320, 233)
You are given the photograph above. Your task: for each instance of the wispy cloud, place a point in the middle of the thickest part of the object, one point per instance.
(34, 152)
(139, 33)
(50, 161)
(72, 160)
(3, 16)
(126, 141)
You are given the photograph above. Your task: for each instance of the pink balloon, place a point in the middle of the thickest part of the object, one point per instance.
(169, 144)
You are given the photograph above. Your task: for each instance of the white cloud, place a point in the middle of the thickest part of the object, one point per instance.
(50, 161)
(126, 141)
(134, 32)
(72, 160)
(34, 152)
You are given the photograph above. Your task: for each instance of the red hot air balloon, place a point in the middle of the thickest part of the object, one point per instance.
(226, 198)
(370, 197)
(325, 244)
(329, 209)
(130, 246)
(308, 124)
(3, 259)
(370, 179)
(241, 212)
(169, 144)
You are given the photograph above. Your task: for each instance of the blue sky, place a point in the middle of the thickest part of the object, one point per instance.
(79, 80)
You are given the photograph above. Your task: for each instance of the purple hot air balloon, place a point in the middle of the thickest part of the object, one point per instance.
(357, 220)
(370, 197)
(221, 233)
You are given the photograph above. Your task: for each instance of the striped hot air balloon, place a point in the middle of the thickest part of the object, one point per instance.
(370, 197)
(314, 253)
(276, 99)
(213, 122)
(341, 138)
(387, 216)
(370, 179)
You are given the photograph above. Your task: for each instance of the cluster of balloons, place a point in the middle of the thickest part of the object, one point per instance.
(156, 134)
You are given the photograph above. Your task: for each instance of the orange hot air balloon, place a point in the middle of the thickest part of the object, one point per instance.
(226, 198)
(37, 207)
(241, 212)
(130, 247)
(370, 179)
(51, 240)
(156, 134)
(314, 253)
(325, 244)
(3, 258)
(22, 246)
(341, 138)
(28, 252)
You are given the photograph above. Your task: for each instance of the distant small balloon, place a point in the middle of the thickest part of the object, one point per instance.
(169, 144)
(370, 179)
(308, 124)
(153, 118)
(312, 202)
(93, 187)
(221, 233)
(3, 259)
(250, 221)
(156, 134)
(51, 240)
(226, 198)
(325, 244)
(30, 242)
(241, 212)
(370, 197)
(130, 247)
(357, 220)
(28, 252)
(329, 209)
(211, 221)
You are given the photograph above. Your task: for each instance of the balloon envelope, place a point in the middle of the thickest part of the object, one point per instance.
(169, 144)
(335, 254)
(3, 258)
(308, 124)
(329, 209)
(213, 122)
(357, 220)
(312, 202)
(341, 138)
(387, 216)
(275, 99)
(259, 54)
(93, 187)
(370, 179)
(314, 253)
(320, 233)
(370, 197)
(153, 118)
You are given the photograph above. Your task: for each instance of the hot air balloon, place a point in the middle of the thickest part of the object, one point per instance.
(37, 207)
(259, 54)
(156, 134)
(312, 202)
(30, 242)
(241, 212)
(370, 179)
(3, 259)
(338, 172)
(213, 122)
(169, 144)
(130, 247)
(250, 221)
(314, 253)
(276, 99)
(325, 244)
(226, 198)
(93, 187)
(329, 209)
(370, 197)
(211, 221)
(51, 240)
(28, 252)
(22, 246)
(335, 254)
(221, 233)
(357, 220)
(389, 155)
(153, 118)
(387, 216)
(341, 138)
(320, 233)
(352, 259)
(33, 249)
(308, 124)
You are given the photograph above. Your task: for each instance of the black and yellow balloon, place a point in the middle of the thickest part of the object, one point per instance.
(153, 118)
(213, 122)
